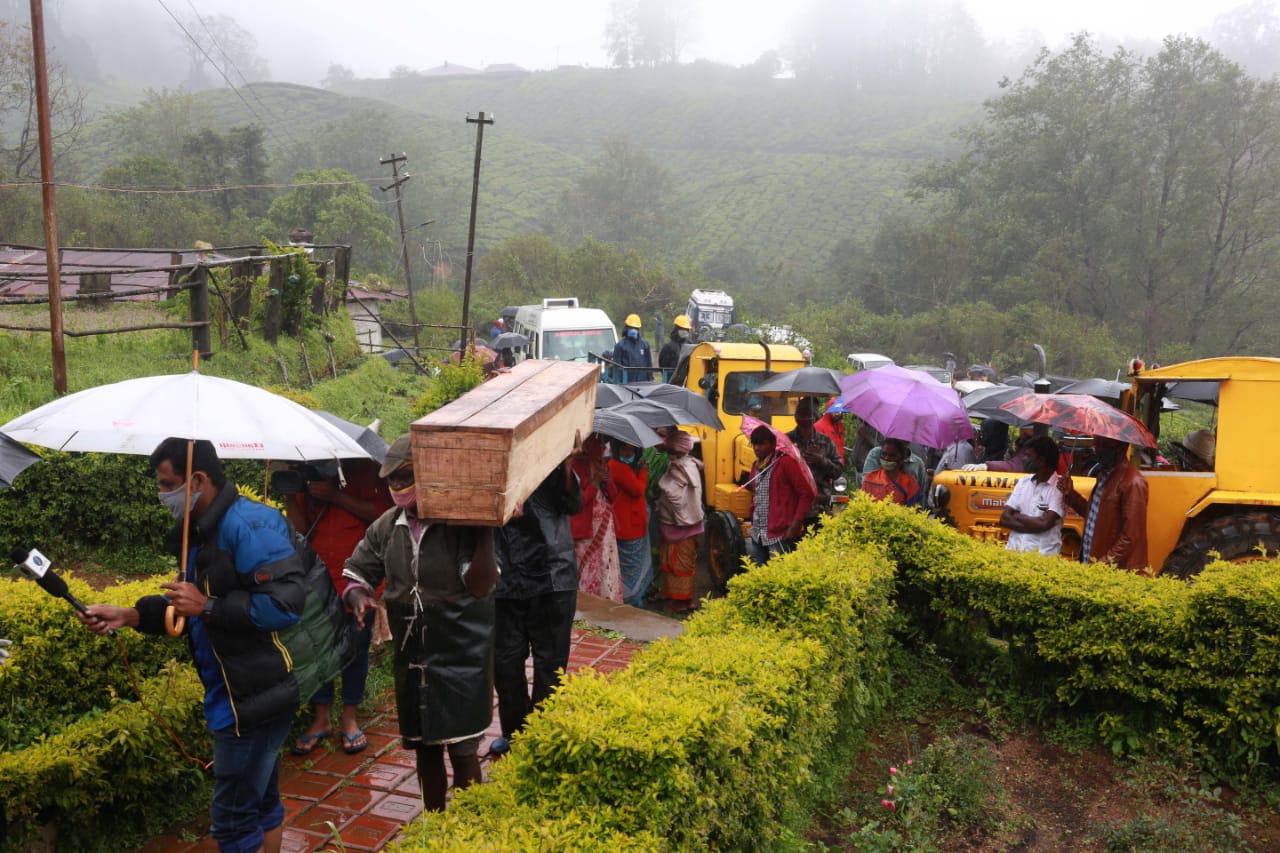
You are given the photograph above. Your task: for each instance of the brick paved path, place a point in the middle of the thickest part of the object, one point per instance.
(370, 796)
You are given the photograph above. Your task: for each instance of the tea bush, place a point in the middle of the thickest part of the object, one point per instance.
(723, 738)
(59, 671)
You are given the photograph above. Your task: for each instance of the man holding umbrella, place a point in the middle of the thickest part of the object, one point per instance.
(1115, 516)
(820, 454)
(780, 501)
(243, 586)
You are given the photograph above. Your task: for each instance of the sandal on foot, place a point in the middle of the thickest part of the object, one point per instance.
(307, 742)
(354, 743)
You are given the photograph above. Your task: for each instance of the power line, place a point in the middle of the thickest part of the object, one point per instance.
(227, 56)
(218, 68)
(190, 190)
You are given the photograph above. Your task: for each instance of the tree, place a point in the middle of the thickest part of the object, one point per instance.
(338, 209)
(236, 158)
(159, 125)
(219, 50)
(1138, 192)
(648, 33)
(337, 75)
(624, 197)
(1250, 35)
(19, 137)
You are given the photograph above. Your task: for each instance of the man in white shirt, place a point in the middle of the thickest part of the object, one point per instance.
(1034, 511)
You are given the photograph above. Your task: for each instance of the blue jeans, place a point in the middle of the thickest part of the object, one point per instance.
(354, 674)
(760, 554)
(246, 793)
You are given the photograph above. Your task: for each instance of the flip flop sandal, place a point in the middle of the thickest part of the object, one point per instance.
(305, 744)
(354, 742)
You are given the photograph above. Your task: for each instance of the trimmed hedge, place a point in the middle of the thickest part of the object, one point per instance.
(60, 671)
(724, 738)
(1195, 664)
(111, 775)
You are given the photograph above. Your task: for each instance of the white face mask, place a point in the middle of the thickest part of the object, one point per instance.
(172, 501)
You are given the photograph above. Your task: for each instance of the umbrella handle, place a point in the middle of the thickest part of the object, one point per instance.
(173, 623)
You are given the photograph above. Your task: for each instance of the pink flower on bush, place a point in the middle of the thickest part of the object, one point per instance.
(893, 771)
(888, 789)
(890, 805)
(910, 762)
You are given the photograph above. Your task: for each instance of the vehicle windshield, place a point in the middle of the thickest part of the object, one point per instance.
(739, 399)
(1183, 417)
(575, 344)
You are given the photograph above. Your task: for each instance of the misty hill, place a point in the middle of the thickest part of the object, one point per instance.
(765, 170)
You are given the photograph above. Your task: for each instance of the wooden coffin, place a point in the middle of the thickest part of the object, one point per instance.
(477, 458)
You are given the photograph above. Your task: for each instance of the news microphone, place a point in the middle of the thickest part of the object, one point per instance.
(36, 566)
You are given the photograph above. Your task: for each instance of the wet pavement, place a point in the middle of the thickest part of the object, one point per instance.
(370, 796)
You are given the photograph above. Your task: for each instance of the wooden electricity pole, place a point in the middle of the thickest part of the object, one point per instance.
(397, 180)
(479, 122)
(50, 209)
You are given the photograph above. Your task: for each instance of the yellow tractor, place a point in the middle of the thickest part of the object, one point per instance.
(1213, 490)
(727, 374)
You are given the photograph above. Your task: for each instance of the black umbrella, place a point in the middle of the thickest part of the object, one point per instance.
(1108, 390)
(624, 427)
(699, 406)
(808, 381)
(14, 459)
(508, 340)
(656, 414)
(610, 394)
(364, 436)
(985, 403)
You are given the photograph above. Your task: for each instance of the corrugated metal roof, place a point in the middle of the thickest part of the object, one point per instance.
(23, 270)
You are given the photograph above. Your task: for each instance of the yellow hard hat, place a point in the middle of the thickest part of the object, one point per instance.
(682, 321)
(632, 321)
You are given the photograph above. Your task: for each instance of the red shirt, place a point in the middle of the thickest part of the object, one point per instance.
(833, 431)
(630, 516)
(337, 532)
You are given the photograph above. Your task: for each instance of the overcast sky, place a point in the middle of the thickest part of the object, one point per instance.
(300, 39)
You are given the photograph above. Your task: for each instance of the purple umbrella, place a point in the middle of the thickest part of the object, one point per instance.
(906, 404)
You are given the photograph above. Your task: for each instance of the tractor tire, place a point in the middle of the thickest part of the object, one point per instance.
(725, 548)
(1235, 537)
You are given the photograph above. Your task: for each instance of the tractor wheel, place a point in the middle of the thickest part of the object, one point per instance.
(1235, 537)
(725, 548)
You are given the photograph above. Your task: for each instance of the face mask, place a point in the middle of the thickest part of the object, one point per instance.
(633, 333)
(627, 459)
(405, 498)
(888, 464)
(172, 501)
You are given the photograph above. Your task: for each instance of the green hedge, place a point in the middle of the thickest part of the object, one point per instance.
(1155, 660)
(59, 670)
(113, 775)
(724, 738)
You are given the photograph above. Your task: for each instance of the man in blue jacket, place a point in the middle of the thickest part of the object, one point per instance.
(632, 353)
(243, 585)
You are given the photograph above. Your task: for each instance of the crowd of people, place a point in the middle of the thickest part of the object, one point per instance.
(465, 606)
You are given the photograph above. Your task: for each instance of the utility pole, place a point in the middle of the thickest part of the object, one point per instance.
(479, 122)
(50, 208)
(397, 180)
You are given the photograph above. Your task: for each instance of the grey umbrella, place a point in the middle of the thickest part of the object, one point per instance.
(609, 394)
(364, 436)
(1107, 389)
(656, 414)
(703, 411)
(624, 427)
(809, 381)
(508, 340)
(14, 459)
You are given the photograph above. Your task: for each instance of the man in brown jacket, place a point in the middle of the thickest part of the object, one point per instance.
(1115, 516)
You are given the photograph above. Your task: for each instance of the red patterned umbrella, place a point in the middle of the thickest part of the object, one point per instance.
(1083, 414)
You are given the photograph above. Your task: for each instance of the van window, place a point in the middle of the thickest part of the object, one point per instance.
(575, 344)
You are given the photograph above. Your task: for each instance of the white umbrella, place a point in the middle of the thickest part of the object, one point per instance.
(242, 421)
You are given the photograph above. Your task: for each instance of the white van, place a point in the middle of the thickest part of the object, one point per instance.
(560, 330)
